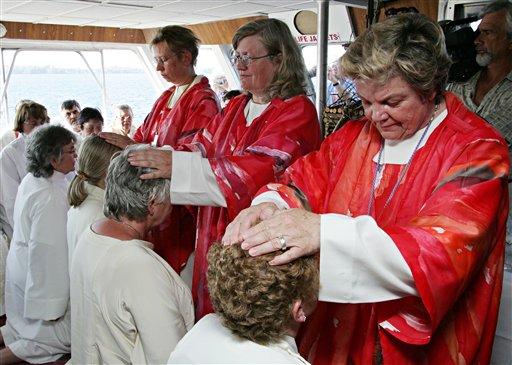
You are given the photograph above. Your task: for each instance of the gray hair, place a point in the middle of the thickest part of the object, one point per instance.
(497, 6)
(126, 195)
(45, 145)
(125, 108)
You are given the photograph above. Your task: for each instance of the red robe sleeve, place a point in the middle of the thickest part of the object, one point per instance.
(289, 129)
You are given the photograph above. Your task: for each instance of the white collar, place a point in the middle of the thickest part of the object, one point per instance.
(94, 191)
(253, 110)
(58, 177)
(289, 345)
(181, 89)
(398, 152)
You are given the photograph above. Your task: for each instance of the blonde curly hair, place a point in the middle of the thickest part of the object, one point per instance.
(253, 298)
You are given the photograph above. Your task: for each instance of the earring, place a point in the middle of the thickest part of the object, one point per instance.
(303, 318)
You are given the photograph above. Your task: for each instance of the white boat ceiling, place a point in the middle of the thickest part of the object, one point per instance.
(141, 14)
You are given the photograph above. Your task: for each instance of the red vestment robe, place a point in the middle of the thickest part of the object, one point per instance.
(447, 218)
(244, 158)
(174, 239)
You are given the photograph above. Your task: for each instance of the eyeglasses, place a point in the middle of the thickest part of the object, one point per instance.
(163, 59)
(36, 122)
(246, 60)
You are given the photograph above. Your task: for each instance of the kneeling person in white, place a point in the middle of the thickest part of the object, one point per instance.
(127, 304)
(259, 309)
(37, 277)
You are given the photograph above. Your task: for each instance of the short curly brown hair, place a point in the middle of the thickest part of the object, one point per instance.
(254, 298)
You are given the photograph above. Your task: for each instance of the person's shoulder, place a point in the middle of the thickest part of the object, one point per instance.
(462, 120)
(203, 89)
(211, 320)
(300, 99)
(139, 253)
(349, 131)
(204, 330)
(41, 195)
(152, 271)
(13, 147)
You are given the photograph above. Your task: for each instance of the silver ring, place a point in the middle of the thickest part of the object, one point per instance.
(282, 242)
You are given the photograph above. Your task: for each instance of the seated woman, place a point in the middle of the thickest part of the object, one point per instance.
(90, 121)
(127, 304)
(87, 190)
(36, 282)
(259, 309)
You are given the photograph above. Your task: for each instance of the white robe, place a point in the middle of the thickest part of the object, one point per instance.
(127, 304)
(81, 217)
(12, 170)
(209, 342)
(7, 137)
(37, 285)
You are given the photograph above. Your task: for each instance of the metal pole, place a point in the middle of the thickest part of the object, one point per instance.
(6, 82)
(100, 84)
(104, 89)
(6, 103)
(90, 68)
(143, 56)
(321, 69)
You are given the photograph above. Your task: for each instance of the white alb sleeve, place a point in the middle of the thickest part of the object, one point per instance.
(270, 197)
(360, 263)
(193, 181)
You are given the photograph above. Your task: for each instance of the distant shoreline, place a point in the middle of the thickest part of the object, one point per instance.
(51, 70)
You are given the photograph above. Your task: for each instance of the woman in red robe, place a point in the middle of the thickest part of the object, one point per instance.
(406, 207)
(251, 143)
(179, 113)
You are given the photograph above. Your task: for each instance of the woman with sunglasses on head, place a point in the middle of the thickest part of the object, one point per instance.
(256, 137)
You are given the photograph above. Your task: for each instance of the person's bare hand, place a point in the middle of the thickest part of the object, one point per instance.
(299, 228)
(245, 220)
(117, 139)
(157, 159)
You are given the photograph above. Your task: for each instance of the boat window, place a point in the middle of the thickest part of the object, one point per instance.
(128, 83)
(50, 77)
(207, 63)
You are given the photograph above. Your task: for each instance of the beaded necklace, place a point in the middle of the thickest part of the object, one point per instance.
(402, 173)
